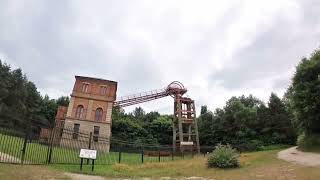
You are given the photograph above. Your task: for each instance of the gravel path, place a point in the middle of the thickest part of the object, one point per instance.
(299, 157)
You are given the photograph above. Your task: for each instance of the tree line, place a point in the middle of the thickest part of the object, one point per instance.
(247, 123)
(21, 105)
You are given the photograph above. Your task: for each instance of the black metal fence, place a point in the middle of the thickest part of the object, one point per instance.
(62, 146)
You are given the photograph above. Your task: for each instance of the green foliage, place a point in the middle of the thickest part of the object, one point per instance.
(223, 156)
(247, 123)
(63, 101)
(309, 142)
(304, 95)
(21, 105)
(19, 99)
(141, 127)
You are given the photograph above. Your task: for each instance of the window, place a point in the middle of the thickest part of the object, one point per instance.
(96, 130)
(79, 112)
(103, 90)
(99, 113)
(76, 128)
(85, 87)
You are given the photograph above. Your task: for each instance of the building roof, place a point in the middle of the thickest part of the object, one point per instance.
(92, 78)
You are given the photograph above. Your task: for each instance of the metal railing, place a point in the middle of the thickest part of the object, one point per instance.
(60, 146)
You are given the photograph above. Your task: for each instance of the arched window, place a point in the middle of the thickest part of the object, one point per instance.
(85, 87)
(99, 113)
(79, 111)
(103, 90)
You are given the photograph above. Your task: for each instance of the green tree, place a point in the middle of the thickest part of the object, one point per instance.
(161, 129)
(280, 121)
(305, 94)
(48, 111)
(304, 97)
(63, 101)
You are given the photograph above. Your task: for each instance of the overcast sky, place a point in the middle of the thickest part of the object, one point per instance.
(217, 49)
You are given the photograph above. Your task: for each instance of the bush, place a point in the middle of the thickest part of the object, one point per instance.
(252, 145)
(223, 156)
(310, 142)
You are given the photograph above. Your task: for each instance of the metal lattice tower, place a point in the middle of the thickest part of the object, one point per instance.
(185, 129)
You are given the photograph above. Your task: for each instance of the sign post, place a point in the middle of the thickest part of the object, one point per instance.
(88, 154)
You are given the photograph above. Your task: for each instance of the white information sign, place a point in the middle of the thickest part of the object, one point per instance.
(187, 143)
(88, 154)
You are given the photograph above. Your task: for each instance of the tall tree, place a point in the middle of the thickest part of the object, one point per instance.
(305, 94)
(280, 121)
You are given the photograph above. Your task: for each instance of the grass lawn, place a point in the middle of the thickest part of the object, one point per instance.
(255, 165)
(34, 172)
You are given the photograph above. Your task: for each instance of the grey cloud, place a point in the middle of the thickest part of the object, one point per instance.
(53, 41)
(272, 54)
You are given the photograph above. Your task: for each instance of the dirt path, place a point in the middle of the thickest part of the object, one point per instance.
(299, 157)
(75, 176)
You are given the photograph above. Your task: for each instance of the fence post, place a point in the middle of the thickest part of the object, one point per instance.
(192, 152)
(89, 145)
(24, 147)
(172, 154)
(119, 156)
(142, 154)
(159, 153)
(50, 143)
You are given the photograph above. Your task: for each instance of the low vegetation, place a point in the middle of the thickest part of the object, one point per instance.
(254, 165)
(309, 142)
(223, 156)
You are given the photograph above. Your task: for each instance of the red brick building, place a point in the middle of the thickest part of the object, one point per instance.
(89, 110)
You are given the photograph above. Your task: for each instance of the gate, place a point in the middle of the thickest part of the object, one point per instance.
(57, 145)
(22, 148)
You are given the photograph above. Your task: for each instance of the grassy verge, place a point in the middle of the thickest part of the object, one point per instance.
(262, 165)
(34, 172)
(255, 165)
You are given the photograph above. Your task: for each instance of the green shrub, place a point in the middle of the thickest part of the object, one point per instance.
(250, 145)
(223, 156)
(310, 142)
